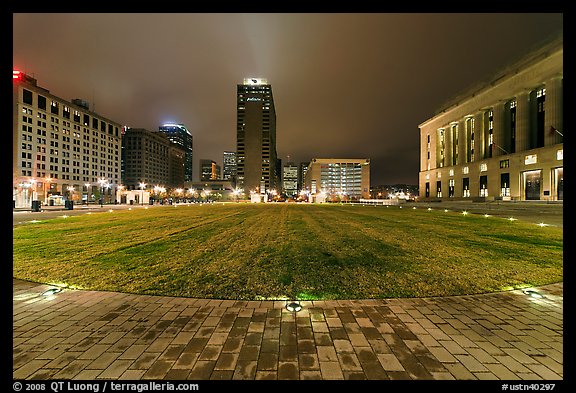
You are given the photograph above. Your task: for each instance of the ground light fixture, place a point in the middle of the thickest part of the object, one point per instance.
(533, 293)
(464, 212)
(445, 210)
(429, 209)
(486, 215)
(294, 306)
(512, 219)
(51, 291)
(542, 225)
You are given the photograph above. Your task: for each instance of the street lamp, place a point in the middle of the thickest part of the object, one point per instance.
(71, 193)
(103, 182)
(47, 184)
(87, 185)
(142, 185)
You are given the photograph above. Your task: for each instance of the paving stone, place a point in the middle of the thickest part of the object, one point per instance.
(105, 335)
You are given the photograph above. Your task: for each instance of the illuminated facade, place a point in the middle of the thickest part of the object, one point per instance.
(256, 137)
(209, 170)
(503, 140)
(229, 163)
(290, 179)
(338, 178)
(181, 136)
(61, 149)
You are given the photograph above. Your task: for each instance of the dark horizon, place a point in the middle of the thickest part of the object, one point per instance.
(344, 85)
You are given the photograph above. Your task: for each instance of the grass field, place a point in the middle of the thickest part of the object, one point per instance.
(275, 251)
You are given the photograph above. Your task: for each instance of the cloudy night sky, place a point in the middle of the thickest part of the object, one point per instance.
(345, 85)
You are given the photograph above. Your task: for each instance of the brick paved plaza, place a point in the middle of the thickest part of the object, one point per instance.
(103, 335)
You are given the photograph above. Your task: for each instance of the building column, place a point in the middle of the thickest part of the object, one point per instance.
(462, 146)
(479, 136)
(498, 130)
(522, 121)
(553, 116)
(448, 145)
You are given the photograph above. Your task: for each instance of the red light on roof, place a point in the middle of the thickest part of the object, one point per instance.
(16, 74)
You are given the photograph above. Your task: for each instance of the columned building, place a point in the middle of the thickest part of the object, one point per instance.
(502, 140)
(61, 150)
(335, 179)
(256, 137)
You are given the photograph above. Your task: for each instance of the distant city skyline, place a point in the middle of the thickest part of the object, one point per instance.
(345, 84)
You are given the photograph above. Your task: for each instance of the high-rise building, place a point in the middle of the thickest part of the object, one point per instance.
(229, 163)
(181, 136)
(209, 170)
(502, 140)
(338, 178)
(151, 158)
(290, 179)
(256, 137)
(61, 149)
(302, 174)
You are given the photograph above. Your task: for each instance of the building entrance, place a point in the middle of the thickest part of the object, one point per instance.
(532, 181)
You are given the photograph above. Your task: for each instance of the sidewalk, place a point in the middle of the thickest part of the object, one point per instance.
(104, 335)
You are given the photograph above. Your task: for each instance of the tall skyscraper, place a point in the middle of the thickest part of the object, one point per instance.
(256, 137)
(229, 162)
(179, 134)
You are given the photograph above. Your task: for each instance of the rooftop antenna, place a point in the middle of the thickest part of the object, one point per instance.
(93, 102)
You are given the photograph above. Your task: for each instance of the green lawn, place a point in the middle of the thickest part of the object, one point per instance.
(255, 251)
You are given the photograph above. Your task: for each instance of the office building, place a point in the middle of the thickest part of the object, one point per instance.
(229, 164)
(500, 140)
(256, 137)
(302, 174)
(181, 136)
(333, 179)
(151, 158)
(209, 170)
(61, 149)
(290, 179)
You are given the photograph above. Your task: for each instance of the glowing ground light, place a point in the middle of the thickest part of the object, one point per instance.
(512, 219)
(414, 208)
(465, 212)
(542, 225)
(486, 215)
(429, 209)
(533, 293)
(445, 210)
(129, 208)
(35, 221)
(293, 307)
(51, 291)
(146, 208)
(110, 210)
(64, 216)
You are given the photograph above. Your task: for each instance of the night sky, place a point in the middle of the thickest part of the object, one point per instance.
(345, 85)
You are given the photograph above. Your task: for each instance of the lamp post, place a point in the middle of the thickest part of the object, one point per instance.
(142, 185)
(87, 185)
(46, 185)
(103, 183)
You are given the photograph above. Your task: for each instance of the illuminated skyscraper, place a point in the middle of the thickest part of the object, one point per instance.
(229, 161)
(256, 137)
(179, 134)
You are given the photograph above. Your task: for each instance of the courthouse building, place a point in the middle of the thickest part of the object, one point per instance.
(501, 140)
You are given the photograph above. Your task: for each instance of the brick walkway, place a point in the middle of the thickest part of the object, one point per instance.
(104, 335)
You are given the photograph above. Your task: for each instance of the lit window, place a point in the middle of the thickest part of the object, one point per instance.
(427, 176)
(451, 172)
(531, 159)
(560, 154)
(483, 167)
(465, 170)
